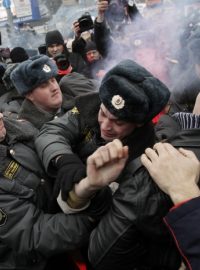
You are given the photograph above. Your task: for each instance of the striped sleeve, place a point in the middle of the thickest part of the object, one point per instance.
(187, 120)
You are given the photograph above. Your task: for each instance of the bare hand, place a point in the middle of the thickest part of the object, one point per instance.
(182, 267)
(106, 163)
(196, 109)
(100, 74)
(176, 172)
(2, 128)
(76, 29)
(102, 6)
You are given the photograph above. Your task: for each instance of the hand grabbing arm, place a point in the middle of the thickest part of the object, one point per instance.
(103, 167)
(102, 6)
(76, 29)
(176, 172)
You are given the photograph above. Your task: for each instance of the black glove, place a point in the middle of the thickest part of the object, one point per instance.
(100, 204)
(70, 171)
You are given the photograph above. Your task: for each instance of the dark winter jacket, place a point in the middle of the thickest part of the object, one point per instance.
(133, 233)
(31, 113)
(10, 103)
(29, 234)
(102, 38)
(75, 84)
(183, 223)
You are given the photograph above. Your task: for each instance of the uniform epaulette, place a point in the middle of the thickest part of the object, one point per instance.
(74, 110)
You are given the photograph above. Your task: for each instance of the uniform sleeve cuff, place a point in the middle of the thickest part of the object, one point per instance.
(67, 209)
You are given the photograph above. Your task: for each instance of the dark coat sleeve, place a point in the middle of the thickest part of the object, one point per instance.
(102, 38)
(78, 64)
(58, 137)
(78, 46)
(29, 231)
(183, 222)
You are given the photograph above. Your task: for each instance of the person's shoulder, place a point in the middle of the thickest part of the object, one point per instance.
(166, 127)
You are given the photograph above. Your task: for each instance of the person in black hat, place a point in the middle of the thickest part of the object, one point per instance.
(139, 206)
(18, 55)
(66, 62)
(94, 61)
(26, 190)
(129, 97)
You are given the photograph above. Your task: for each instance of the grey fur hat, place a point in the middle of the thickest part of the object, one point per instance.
(132, 93)
(32, 73)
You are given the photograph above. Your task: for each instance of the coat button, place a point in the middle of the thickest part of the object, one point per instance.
(42, 181)
(12, 152)
(55, 117)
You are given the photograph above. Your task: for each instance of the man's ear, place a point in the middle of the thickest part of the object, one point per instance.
(29, 96)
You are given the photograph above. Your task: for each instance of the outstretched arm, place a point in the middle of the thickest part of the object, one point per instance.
(102, 6)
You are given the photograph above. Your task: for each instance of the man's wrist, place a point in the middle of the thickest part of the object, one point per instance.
(184, 194)
(83, 189)
(76, 202)
(81, 194)
(100, 18)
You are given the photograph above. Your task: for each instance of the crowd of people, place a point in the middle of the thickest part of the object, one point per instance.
(99, 155)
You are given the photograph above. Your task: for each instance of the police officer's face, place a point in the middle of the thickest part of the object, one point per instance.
(112, 128)
(47, 96)
(55, 49)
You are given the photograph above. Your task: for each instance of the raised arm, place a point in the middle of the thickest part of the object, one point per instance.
(103, 167)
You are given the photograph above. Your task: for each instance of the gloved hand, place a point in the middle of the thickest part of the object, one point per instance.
(70, 171)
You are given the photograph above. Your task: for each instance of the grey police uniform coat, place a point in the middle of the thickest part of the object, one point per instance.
(29, 233)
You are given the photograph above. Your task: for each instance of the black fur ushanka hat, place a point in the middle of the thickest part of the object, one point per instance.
(133, 94)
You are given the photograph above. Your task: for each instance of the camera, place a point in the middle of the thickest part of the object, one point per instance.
(85, 22)
(62, 61)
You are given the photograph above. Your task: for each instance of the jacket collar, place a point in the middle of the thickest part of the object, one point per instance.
(189, 139)
(32, 114)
